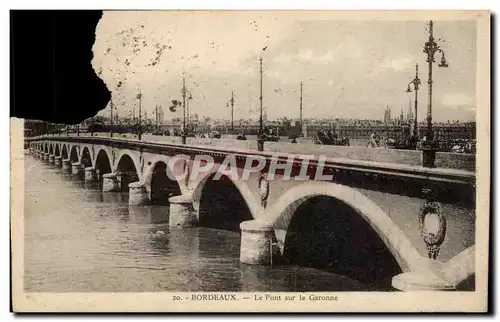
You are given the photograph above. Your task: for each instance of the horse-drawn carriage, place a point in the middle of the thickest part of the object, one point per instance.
(329, 138)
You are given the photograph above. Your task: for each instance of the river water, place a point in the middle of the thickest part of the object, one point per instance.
(79, 239)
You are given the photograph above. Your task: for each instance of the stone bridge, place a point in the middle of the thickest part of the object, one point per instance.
(378, 222)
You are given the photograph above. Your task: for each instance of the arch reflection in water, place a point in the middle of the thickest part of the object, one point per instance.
(327, 234)
(66, 175)
(75, 179)
(150, 214)
(92, 185)
(115, 198)
(92, 191)
(78, 178)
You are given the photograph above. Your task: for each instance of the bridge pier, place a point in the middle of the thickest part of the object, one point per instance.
(110, 183)
(119, 177)
(57, 161)
(182, 212)
(46, 156)
(256, 242)
(76, 168)
(66, 164)
(51, 158)
(138, 195)
(90, 174)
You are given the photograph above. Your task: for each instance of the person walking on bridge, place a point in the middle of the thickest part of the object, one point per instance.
(371, 142)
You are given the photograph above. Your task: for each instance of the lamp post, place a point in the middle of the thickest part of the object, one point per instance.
(139, 130)
(156, 119)
(416, 83)
(187, 110)
(111, 119)
(260, 138)
(184, 91)
(429, 146)
(231, 101)
(301, 126)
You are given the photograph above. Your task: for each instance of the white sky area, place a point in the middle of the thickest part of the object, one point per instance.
(351, 69)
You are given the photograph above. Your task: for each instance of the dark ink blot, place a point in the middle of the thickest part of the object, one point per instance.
(51, 74)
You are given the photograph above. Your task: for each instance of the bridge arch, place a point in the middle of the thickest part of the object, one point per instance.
(57, 151)
(223, 203)
(85, 157)
(102, 164)
(315, 219)
(46, 147)
(73, 154)
(460, 270)
(64, 152)
(133, 155)
(51, 148)
(128, 171)
(160, 183)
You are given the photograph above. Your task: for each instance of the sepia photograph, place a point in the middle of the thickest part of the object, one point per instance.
(252, 161)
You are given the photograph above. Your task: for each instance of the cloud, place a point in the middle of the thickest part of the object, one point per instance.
(306, 55)
(400, 63)
(457, 99)
(283, 59)
(380, 65)
(326, 58)
(144, 49)
(219, 52)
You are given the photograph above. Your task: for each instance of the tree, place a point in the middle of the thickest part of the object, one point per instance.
(94, 124)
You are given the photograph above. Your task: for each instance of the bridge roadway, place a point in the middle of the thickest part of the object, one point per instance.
(368, 220)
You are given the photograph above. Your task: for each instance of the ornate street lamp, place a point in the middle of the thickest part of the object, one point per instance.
(111, 118)
(416, 84)
(231, 101)
(139, 125)
(260, 138)
(184, 91)
(301, 124)
(429, 146)
(188, 112)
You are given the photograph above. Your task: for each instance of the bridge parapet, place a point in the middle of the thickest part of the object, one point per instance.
(376, 165)
(459, 161)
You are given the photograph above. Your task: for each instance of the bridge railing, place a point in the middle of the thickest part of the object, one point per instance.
(447, 160)
(339, 163)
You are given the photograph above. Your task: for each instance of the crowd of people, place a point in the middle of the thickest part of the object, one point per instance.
(414, 143)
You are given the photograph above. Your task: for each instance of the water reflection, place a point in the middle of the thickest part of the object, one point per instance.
(144, 215)
(114, 198)
(93, 186)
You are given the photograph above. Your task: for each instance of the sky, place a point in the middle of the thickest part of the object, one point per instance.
(349, 68)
